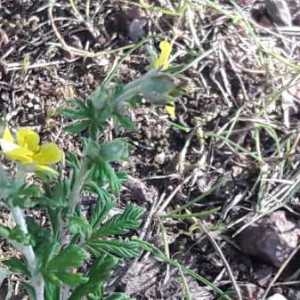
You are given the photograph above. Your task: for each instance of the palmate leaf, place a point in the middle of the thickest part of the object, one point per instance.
(4, 231)
(60, 268)
(77, 110)
(121, 223)
(116, 150)
(104, 174)
(104, 203)
(124, 121)
(99, 98)
(99, 272)
(18, 235)
(15, 234)
(79, 225)
(52, 291)
(17, 266)
(38, 234)
(78, 126)
(118, 248)
(27, 196)
(72, 279)
(157, 88)
(70, 257)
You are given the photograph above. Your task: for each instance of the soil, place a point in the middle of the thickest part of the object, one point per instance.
(235, 136)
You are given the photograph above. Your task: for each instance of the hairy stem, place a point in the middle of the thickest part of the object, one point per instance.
(74, 200)
(37, 280)
(77, 186)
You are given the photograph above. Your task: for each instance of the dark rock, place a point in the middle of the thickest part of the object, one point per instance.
(271, 239)
(139, 191)
(127, 23)
(136, 29)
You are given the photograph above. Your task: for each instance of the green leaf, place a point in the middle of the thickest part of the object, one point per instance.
(56, 195)
(9, 187)
(46, 251)
(117, 150)
(104, 174)
(109, 173)
(77, 127)
(29, 289)
(118, 296)
(77, 109)
(38, 234)
(121, 249)
(121, 223)
(70, 257)
(103, 206)
(99, 98)
(99, 272)
(72, 279)
(101, 269)
(79, 225)
(18, 235)
(17, 266)
(52, 291)
(125, 121)
(4, 231)
(27, 196)
(157, 86)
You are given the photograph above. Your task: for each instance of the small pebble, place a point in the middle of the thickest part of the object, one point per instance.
(160, 158)
(277, 297)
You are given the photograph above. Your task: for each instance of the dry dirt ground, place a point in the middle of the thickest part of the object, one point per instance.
(229, 159)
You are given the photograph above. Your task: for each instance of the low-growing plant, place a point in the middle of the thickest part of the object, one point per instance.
(71, 254)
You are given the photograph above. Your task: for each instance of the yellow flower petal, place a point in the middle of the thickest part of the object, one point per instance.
(170, 109)
(7, 136)
(162, 62)
(17, 153)
(14, 151)
(48, 154)
(28, 139)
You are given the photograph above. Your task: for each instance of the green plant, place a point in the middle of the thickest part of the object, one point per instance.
(74, 254)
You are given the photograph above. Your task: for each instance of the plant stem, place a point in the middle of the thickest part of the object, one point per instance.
(77, 186)
(37, 280)
(74, 200)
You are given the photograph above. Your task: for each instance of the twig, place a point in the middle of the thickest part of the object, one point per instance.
(73, 50)
(19, 66)
(163, 206)
(279, 272)
(226, 264)
(87, 8)
(81, 19)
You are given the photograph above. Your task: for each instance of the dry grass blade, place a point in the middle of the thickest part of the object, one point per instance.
(279, 272)
(226, 264)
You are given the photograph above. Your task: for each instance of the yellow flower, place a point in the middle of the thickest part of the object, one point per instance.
(26, 149)
(162, 61)
(171, 110)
